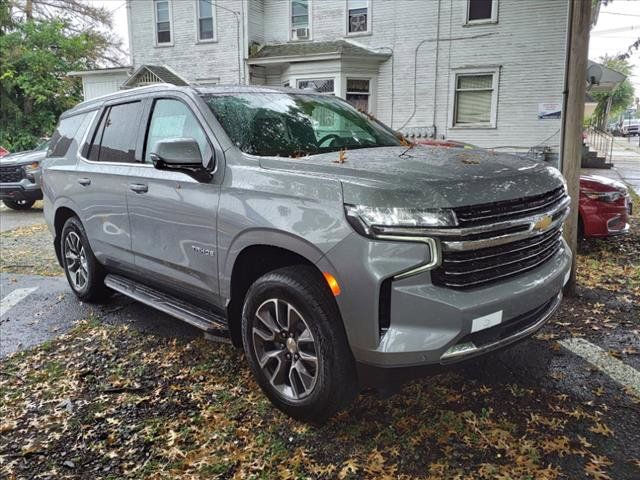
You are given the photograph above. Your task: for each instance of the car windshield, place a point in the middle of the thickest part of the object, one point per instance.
(42, 146)
(295, 125)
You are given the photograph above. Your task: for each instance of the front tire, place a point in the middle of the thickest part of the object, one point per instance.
(84, 273)
(296, 345)
(19, 204)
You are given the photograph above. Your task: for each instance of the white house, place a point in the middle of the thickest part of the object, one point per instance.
(487, 72)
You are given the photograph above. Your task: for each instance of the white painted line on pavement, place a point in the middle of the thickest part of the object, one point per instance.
(621, 372)
(14, 298)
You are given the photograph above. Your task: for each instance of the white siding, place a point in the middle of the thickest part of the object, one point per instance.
(192, 60)
(103, 84)
(527, 43)
(256, 21)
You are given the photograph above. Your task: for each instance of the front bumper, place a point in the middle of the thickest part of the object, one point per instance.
(432, 325)
(606, 220)
(23, 190)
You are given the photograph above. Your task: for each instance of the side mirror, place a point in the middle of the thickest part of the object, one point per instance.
(182, 155)
(177, 152)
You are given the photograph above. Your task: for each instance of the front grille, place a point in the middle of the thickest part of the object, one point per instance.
(10, 174)
(467, 264)
(508, 210)
(470, 269)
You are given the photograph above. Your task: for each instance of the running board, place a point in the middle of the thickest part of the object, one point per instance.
(212, 324)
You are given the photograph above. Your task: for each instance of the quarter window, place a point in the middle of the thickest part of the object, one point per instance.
(474, 99)
(358, 93)
(163, 21)
(358, 18)
(173, 119)
(205, 20)
(116, 135)
(481, 11)
(64, 134)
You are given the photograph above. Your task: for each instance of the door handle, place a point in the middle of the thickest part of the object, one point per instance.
(139, 187)
(85, 182)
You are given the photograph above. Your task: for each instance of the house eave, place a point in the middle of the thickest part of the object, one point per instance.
(374, 58)
(100, 71)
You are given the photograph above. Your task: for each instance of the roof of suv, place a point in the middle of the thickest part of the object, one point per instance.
(200, 90)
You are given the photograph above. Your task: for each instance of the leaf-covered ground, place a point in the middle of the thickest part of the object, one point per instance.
(28, 250)
(110, 402)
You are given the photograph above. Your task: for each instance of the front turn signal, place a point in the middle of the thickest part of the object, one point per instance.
(333, 283)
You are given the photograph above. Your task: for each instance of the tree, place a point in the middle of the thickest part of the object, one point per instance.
(40, 41)
(78, 17)
(617, 101)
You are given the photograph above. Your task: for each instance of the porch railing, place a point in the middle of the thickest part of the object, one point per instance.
(601, 142)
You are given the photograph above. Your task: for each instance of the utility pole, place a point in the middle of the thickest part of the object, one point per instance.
(573, 113)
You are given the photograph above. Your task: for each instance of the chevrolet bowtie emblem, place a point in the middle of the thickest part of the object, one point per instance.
(542, 224)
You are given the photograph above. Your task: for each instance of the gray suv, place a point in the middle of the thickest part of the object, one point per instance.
(296, 227)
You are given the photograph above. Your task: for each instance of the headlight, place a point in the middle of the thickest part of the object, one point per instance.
(32, 167)
(608, 197)
(365, 219)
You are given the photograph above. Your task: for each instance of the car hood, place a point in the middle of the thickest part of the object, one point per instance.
(601, 184)
(23, 158)
(426, 177)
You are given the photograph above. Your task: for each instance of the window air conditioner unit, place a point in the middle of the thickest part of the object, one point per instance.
(301, 33)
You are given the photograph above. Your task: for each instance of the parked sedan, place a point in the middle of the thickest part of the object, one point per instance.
(19, 188)
(604, 208)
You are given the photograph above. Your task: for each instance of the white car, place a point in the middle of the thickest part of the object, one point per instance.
(630, 127)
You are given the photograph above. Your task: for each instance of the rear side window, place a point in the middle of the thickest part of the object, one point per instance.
(63, 136)
(116, 135)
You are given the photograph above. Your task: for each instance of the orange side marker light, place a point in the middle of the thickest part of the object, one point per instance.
(333, 283)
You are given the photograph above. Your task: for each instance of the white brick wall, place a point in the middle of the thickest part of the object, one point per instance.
(527, 43)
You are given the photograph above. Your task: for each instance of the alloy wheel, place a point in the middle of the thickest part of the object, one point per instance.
(76, 261)
(285, 349)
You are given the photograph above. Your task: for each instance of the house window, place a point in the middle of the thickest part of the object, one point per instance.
(358, 93)
(358, 18)
(300, 20)
(205, 21)
(318, 85)
(475, 99)
(481, 11)
(163, 21)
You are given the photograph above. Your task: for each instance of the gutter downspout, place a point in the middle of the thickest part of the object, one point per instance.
(435, 75)
(130, 31)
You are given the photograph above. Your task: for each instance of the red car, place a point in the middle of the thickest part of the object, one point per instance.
(605, 206)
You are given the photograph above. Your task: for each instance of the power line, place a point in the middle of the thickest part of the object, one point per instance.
(616, 30)
(620, 13)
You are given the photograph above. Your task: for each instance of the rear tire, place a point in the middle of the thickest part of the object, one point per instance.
(84, 273)
(19, 204)
(296, 345)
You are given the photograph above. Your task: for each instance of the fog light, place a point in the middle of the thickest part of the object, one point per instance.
(615, 224)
